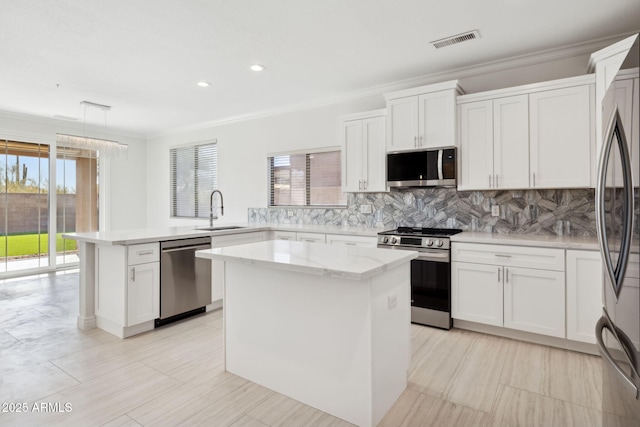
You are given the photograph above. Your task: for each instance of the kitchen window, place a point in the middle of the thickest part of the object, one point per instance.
(194, 175)
(306, 178)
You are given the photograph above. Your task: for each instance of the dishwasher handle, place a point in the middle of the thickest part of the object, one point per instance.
(187, 248)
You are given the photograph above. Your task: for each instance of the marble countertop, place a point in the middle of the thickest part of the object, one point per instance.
(149, 235)
(560, 242)
(347, 262)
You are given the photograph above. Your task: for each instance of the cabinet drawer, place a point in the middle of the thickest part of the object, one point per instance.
(146, 252)
(311, 237)
(364, 241)
(238, 239)
(283, 235)
(510, 256)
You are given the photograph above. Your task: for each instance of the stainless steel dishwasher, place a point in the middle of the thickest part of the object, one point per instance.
(185, 281)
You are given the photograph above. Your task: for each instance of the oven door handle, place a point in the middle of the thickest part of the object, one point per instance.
(433, 256)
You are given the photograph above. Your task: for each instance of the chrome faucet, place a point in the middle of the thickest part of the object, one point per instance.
(212, 214)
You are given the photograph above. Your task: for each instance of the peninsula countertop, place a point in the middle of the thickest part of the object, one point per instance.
(149, 235)
(349, 262)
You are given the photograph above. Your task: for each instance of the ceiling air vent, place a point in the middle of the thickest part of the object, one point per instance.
(459, 38)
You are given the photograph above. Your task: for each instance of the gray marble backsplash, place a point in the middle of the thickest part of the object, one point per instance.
(543, 212)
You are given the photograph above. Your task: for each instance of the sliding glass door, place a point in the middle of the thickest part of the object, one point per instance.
(24, 206)
(29, 227)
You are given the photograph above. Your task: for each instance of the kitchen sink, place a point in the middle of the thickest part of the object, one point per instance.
(222, 227)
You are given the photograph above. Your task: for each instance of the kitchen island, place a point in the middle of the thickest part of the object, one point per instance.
(325, 325)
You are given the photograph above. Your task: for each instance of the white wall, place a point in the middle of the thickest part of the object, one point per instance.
(243, 146)
(127, 174)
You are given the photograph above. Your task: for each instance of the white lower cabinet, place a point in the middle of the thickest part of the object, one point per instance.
(584, 294)
(143, 297)
(127, 287)
(534, 300)
(217, 267)
(476, 293)
(496, 285)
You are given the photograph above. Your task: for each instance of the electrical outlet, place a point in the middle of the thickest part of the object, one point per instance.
(495, 210)
(392, 302)
(290, 213)
(366, 209)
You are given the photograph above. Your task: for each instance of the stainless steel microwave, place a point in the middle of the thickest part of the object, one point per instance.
(425, 168)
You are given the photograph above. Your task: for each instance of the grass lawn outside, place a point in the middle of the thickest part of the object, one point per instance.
(32, 244)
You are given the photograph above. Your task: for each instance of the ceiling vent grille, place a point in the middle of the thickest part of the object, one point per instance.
(458, 38)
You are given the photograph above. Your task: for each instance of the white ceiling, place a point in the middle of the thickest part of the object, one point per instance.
(144, 57)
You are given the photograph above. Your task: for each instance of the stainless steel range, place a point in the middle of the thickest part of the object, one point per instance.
(430, 272)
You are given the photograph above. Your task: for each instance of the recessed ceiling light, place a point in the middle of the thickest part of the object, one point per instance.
(257, 67)
(204, 84)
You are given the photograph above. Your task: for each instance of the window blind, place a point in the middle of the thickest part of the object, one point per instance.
(306, 179)
(194, 175)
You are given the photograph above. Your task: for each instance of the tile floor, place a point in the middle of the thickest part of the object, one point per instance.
(174, 375)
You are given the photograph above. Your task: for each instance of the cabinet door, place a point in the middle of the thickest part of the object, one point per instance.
(143, 293)
(436, 119)
(476, 293)
(511, 142)
(476, 145)
(534, 301)
(374, 172)
(351, 134)
(560, 138)
(402, 124)
(584, 294)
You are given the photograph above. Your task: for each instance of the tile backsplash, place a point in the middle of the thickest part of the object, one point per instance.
(545, 212)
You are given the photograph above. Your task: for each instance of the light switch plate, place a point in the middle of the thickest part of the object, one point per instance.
(289, 213)
(365, 209)
(495, 210)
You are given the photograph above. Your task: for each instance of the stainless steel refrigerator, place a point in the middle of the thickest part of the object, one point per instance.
(618, 330)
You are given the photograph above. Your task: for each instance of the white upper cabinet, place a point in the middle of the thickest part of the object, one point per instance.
(534, 136)
(494, 144)
(422, 117)
(363, 152)
(560, 137)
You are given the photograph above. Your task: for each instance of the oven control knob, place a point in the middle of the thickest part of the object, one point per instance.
(430, 242)
(439, 243)
(385, 239)
(394, 240)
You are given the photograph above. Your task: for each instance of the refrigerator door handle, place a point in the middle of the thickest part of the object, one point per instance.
(615, 132)
(625, 342)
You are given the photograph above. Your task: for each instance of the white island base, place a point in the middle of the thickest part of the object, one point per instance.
(341, 345)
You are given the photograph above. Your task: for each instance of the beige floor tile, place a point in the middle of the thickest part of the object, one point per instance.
(415, 409)
(515, 407)
(247, 421)
(122, 421)
(34, 383)
(566, 375)
(281, 411)
(219, 404)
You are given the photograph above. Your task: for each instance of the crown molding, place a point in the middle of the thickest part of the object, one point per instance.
(512, 62)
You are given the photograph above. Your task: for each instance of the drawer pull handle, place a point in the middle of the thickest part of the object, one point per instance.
(503, 256)
(148, 252)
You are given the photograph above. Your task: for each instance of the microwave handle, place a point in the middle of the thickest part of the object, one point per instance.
(440, 176)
